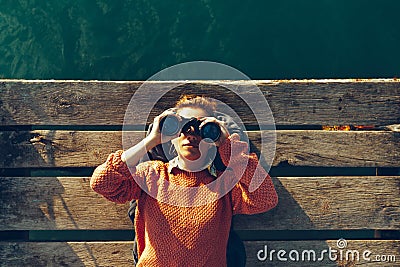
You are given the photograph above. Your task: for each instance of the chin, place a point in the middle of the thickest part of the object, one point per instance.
(191, 157)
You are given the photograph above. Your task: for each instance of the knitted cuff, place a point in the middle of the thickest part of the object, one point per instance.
(232, 149)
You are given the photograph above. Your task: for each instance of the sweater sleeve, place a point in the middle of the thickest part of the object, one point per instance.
(113, 180)
(234, 153)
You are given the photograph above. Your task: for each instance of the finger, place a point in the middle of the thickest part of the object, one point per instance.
(206, 120)
(165, 113)
(224, 132)
(156, 124)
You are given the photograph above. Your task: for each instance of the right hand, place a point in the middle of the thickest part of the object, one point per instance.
(155, 137)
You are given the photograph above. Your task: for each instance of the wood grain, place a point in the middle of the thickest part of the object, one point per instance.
(49, 203)
(305, 203)
(57, 148)
(119, 253)
(66, 254)
(304, 102)
(330, 203)
(57, 203)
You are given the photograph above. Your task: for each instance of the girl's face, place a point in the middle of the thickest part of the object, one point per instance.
(187, 144)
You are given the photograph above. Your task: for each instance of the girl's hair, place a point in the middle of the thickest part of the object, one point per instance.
(207, 104)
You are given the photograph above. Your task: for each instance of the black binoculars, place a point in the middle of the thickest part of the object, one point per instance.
(172, 124)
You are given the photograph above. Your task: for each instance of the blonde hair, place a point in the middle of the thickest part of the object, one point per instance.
(207, 104)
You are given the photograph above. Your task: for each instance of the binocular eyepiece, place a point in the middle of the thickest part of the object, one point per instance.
(172, 124)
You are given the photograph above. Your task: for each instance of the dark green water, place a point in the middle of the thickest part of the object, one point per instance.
(132, 40)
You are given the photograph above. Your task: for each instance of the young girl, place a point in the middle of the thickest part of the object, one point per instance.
(185, 235)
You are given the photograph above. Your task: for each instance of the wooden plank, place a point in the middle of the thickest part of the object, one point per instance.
(66, 254)
(310, 102)
(119, 253)
(57, 203)
(56, 148)
(308, 203)
(330, 203)
(338, 149)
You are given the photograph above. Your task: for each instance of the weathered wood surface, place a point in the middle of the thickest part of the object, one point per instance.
(331, 203)
(312, 102)
(119, 253)
(66, 254)
(57, 148)
(306, 203)
(50, 203)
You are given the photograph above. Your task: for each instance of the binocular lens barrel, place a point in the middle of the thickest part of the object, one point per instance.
(210, 130)
(171, 125)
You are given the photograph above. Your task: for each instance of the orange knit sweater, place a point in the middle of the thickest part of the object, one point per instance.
(170, 235)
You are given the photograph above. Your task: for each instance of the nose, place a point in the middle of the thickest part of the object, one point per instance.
(192, 137)
(191, 134)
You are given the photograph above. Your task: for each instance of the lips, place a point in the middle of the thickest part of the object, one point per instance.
(191, 145)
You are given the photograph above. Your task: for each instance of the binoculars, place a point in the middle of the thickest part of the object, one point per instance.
(172, 124)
